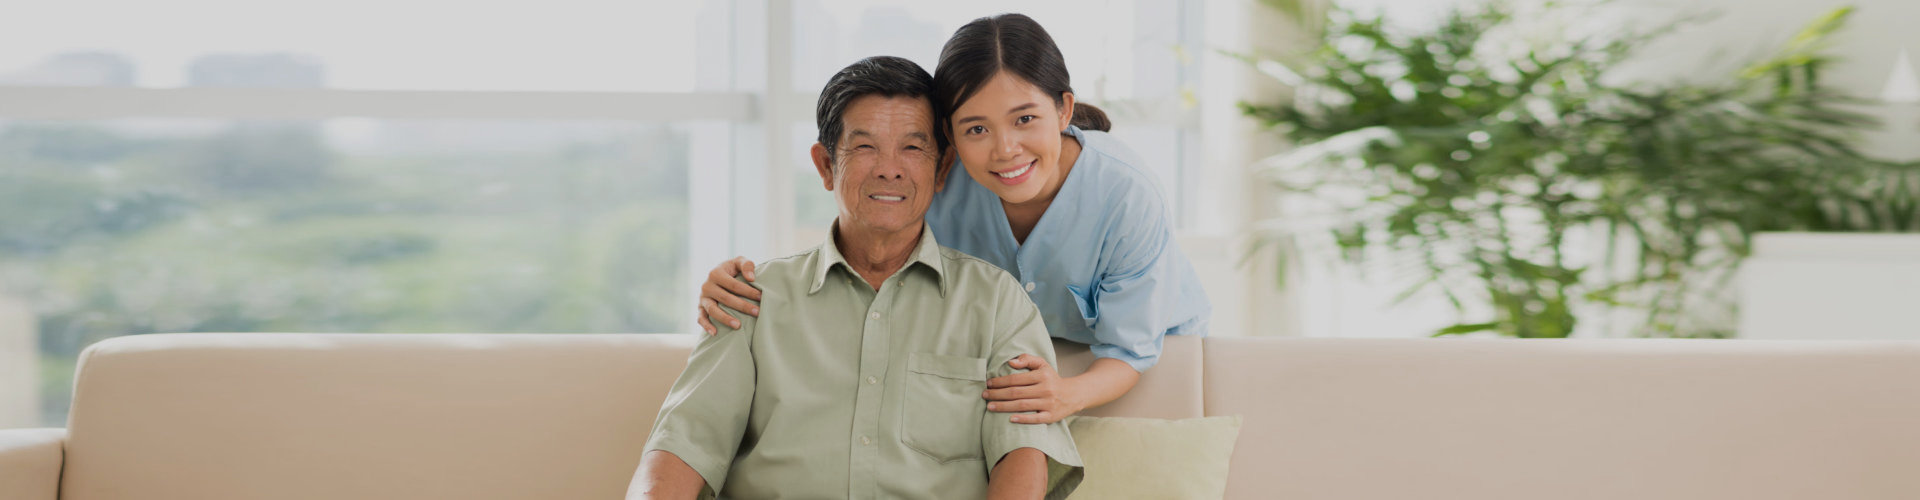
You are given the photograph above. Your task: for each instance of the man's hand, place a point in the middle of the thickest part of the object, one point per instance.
(1039, 389)
(663, 476)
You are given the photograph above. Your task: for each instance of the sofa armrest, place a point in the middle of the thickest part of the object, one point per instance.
(30, 463)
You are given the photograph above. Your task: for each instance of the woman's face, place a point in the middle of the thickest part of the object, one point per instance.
(1008, 137)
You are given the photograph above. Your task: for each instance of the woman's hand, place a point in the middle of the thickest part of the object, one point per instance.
(1040, 390)
(724, 286)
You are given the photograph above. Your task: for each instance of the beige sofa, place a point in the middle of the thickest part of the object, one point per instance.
(306, 416)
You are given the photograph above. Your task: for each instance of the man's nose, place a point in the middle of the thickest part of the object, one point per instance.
(891, 166)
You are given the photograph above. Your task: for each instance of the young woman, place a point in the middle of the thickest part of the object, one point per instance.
(1046, 194)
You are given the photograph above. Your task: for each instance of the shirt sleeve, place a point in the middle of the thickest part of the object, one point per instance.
(1142, 290)
(705, 415)
(1019, 330)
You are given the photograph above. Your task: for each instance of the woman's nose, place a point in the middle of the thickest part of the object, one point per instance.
(1007, 144)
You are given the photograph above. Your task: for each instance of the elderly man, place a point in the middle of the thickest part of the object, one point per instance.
(863, 375)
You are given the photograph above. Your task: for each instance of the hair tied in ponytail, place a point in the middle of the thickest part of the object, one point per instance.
(1088, 117)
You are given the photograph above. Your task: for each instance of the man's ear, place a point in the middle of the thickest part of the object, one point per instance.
(823, 164)
(946, 167)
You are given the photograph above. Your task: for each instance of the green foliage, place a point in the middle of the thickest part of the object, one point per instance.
(1481, 156)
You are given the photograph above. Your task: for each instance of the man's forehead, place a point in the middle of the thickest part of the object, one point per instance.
(873, 113)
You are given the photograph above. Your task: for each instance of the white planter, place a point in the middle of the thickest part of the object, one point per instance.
(1831, 286)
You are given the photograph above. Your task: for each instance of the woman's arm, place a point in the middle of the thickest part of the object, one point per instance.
(1050, 397)
(1105, 381)
(725, 287)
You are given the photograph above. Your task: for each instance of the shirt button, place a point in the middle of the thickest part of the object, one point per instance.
(864, 440)
(873, 315)
(1029, 286)
(872, 380)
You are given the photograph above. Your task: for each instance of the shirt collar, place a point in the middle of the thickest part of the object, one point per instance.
(926, 254)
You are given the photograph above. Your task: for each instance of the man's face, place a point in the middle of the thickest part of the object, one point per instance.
(887, 167)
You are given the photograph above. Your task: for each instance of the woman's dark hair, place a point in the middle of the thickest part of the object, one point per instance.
(1007, 42)
(885, 76)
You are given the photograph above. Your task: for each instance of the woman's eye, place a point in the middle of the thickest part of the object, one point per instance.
(1027, 118)
(976, 129)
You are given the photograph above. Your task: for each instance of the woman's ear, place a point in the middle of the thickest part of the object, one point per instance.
(823, 164)
(1066, 111)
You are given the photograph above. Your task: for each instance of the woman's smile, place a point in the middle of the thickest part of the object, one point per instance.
(1017, 174)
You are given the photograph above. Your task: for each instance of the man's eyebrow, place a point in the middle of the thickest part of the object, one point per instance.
(922, 136)
(1016, 109)
(858, 133)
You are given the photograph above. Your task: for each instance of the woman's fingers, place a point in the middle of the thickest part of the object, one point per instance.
(740, 291)
(1017, 379)
(711, 292)
(1020, 405)
(1028, 362)
(700, 312)
(719, 315)
(1018, 393)
(732, 298)
(746, 268)
(1044, 417)
(738, 266)
(725, 282)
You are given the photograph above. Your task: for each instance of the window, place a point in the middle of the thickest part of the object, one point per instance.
(348, 225)
(362, 166)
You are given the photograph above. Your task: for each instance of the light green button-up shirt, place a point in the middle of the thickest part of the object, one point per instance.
(838, 390)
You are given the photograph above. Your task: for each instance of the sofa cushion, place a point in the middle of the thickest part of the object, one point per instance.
(1154, 458)
(1570, 419)
(302, 416)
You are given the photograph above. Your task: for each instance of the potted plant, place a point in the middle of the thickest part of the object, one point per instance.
(1481, 157)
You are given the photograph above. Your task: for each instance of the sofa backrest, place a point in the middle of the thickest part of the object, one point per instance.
(369, 416)
(1171, 389)
(302, 416)
(1583, 419)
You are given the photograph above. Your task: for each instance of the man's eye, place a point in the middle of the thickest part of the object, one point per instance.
(976, 129)
(1027, 118)
(915, 148)
(864, 146)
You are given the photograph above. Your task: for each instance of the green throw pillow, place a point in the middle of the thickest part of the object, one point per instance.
(1153, 458)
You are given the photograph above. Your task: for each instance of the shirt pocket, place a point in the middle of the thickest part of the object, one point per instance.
(944, 406)
(1088, 300)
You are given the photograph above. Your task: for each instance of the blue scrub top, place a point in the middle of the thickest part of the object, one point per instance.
(1102, 263)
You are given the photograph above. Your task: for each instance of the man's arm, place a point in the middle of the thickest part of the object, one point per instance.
(703, 420)
(1021, 452)
(1022, 474)
(663, 476)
